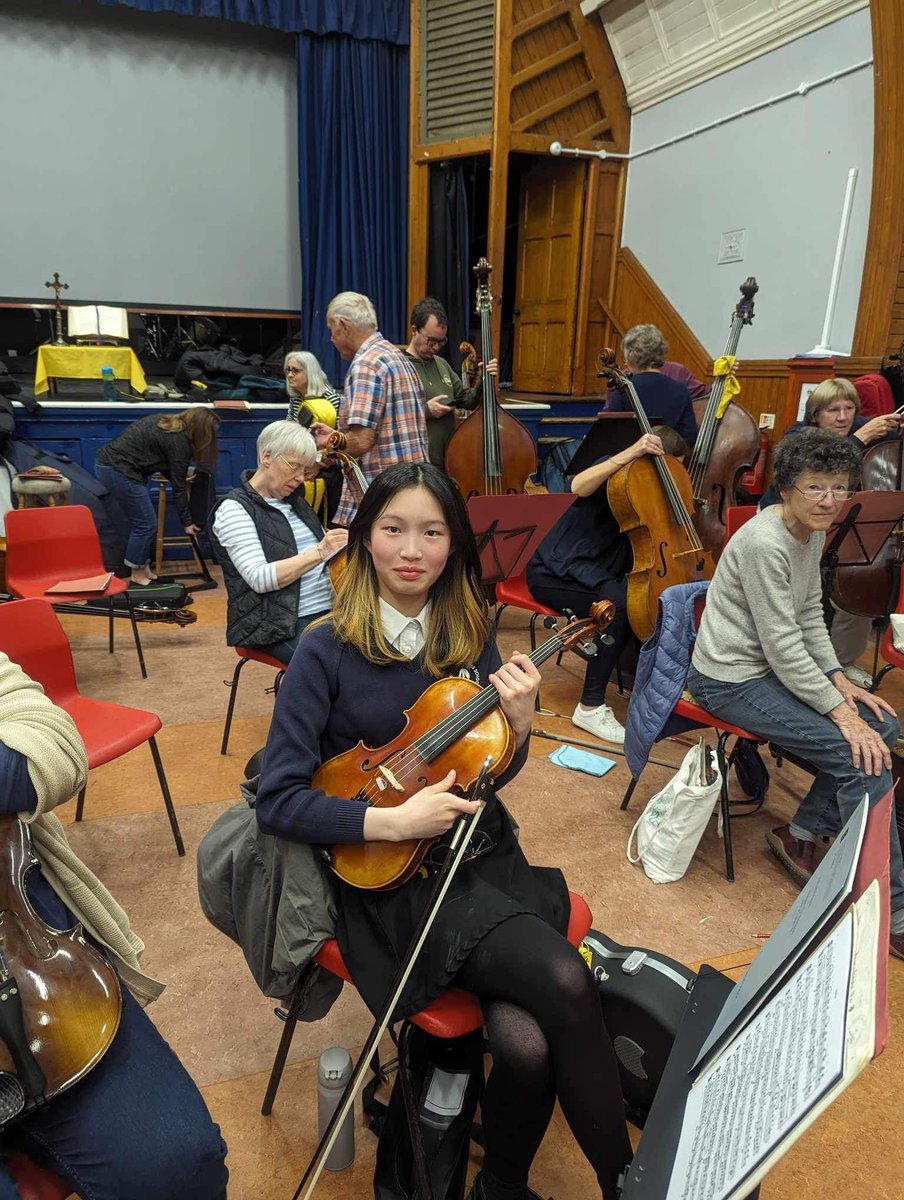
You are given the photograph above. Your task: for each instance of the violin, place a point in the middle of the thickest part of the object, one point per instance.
(469, 365)
(492, 453)
(333, 454)
(872, 591)
(652, 498)
(453, 724)
(60, 1002)
(727, 444)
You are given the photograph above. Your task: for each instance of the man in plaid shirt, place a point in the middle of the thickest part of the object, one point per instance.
(382, 412)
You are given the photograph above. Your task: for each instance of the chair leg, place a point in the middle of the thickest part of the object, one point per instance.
(618, 677)
(80, 803)
(290, 1017)
(277, 682)
(112, 614)
(626, 799)
(533, 646)
(233, 688)
(144, 673)
(167, 798)
(421, 1175)
(500, 609)
(726, 809)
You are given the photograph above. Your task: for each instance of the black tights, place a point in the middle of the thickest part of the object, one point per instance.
(548, 1040)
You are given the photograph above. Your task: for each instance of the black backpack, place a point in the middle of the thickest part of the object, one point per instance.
(443, 1087)
(750, 770)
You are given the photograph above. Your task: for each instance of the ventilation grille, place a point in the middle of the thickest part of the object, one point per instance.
(456, 69)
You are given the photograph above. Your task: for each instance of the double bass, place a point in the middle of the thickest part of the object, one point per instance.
(491, 453)
(727, 443)
(651, 498)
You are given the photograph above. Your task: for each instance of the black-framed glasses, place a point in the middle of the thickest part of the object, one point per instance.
(295, 371)
(480, 845)
(814, 493)
(436, 343)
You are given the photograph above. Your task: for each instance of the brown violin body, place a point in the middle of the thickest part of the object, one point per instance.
(872, 591)
(663, 553)
(60, 1002)
(736, 447)
(465, 454)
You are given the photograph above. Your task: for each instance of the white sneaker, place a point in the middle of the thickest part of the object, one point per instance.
(600, 722)
(858, 676)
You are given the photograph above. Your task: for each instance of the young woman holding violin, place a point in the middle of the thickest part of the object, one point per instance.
(408, 611)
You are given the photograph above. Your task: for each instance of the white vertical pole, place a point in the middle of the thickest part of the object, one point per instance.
(823, 346)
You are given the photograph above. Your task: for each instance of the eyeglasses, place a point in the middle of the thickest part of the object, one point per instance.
(436, 343)
(814, 493)
(295, 371)
(294, 467)
(480, 844)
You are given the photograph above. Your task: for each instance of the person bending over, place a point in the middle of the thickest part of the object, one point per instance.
(135, 1125)
(763, 659)
(410, 610)
(272, 547)
(155, 446)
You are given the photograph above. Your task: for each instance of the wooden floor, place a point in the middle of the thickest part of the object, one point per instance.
(225, 1031)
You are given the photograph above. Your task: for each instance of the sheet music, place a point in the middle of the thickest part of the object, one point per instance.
(769, 1077)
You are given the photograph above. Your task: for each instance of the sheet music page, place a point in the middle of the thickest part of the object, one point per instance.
(774, 1071)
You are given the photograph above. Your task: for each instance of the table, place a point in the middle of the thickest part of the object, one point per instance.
(85, 362)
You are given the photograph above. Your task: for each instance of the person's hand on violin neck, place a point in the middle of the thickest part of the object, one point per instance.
(429, 813)
(517, 683)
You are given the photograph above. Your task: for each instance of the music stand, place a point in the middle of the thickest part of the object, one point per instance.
(609, 434)
(858, 536)
(509, 529)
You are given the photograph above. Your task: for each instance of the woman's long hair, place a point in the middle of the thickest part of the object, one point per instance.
(200, 425)
(457, 628)
(317, 382)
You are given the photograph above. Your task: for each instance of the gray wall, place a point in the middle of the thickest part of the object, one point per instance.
(779, 173)
(148, 158)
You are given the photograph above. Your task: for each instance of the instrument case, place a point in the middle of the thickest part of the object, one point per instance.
(643, 994)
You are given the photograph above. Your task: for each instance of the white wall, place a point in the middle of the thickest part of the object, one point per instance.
(780, 174)
(148, 158)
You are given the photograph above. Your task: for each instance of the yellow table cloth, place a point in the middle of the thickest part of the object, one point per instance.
(85, 362)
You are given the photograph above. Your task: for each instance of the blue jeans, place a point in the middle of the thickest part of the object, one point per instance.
(766, 707)
(136, 504)
(285, 649)
(136, 1126)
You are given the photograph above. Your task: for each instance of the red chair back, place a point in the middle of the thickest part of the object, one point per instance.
(737, 516)
(51, 544)
(32, 636)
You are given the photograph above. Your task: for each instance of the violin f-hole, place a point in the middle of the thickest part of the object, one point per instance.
(663, 569)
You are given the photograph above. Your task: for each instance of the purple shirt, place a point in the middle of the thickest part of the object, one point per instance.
(680, 373)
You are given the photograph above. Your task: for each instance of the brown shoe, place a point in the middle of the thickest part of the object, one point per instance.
(896, 945)
(797, 857)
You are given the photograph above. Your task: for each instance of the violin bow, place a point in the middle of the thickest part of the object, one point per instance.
(461, 837)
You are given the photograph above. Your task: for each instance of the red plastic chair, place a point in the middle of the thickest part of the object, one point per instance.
(31, 635)
(248, 654)
(700, 718)
(47, 545)
(33, 1182)
(452, 1014)
(893, 657)
(737, 516)
(514, 592)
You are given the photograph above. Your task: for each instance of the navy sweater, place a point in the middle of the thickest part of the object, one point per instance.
(664, 400)
(331, 698)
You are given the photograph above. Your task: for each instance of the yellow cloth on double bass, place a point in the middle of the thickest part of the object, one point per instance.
(722, 366)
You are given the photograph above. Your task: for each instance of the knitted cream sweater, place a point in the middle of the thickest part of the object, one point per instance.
(58, 766)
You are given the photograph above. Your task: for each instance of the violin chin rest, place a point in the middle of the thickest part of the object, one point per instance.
(12, 1098)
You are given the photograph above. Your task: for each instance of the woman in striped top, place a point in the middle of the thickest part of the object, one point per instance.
(272, 547)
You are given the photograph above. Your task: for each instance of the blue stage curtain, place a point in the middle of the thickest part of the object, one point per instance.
(384, 20)
(353, 183)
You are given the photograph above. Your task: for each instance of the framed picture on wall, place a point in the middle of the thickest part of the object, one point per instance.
(805, 390)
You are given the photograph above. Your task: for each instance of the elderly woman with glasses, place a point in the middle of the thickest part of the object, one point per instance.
(306, 380)
(763, 659)
(272, 547)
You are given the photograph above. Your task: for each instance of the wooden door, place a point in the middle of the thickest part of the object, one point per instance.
(546, 288)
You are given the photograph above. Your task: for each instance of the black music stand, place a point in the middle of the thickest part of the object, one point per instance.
(609, 434)
(509, 529)
(858, 536)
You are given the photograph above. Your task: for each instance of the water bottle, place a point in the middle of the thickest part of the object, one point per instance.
(333, 1073)
(109, 383)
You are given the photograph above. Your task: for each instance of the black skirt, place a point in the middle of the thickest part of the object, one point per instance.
(375, 928)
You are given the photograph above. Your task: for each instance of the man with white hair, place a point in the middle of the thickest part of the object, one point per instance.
(382, 413)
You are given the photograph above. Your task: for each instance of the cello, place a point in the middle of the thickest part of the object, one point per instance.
(651, 499)
(491, 453)
(727, 443)
(454, 723)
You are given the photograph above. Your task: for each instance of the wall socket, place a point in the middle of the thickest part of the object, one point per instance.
(731, 246)
(767, 420)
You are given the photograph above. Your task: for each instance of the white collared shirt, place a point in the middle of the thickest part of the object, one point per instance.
(405, 634)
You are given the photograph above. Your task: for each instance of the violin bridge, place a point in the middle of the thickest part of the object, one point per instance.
(389, 778)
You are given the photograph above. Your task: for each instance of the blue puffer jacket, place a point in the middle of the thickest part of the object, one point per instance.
(661, 672)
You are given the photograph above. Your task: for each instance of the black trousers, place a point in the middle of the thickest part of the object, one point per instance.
(577, 599)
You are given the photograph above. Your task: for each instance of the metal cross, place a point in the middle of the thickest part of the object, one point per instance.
(56, 285)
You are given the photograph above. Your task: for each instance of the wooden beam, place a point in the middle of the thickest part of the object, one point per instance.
(459, 148)
(604, 70)
(499, 157)
(617, 226)
(591, 133)
(549, 63)
(886, 218)
(552, 107)
(539, 19)
(585, 269)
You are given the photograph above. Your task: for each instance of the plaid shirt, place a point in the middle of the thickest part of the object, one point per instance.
(382, 392)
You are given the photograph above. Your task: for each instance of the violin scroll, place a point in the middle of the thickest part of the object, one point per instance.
(607, 368)
(744, 309)
(580, 630)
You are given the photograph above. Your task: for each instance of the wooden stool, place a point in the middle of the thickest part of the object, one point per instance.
(163, 540)
(30, 490)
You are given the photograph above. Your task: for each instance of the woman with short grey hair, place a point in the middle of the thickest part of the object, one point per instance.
(665, 400)
(272, 547)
